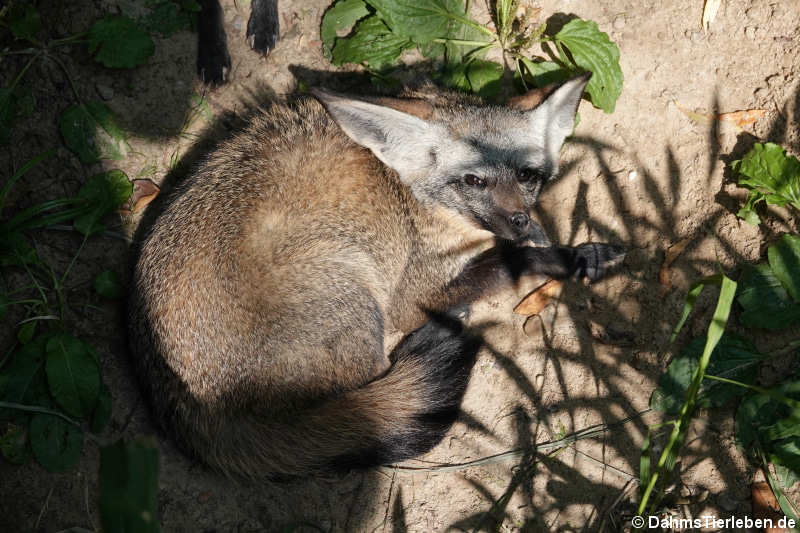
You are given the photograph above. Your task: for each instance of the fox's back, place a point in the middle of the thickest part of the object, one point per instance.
(261, 251)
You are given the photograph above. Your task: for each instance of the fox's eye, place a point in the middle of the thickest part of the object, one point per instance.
(474, 181)
(529, 174)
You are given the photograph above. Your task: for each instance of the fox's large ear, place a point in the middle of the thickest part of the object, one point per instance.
(553, 119)
(404, 142)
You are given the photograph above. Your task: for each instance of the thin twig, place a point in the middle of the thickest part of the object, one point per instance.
(590, 432)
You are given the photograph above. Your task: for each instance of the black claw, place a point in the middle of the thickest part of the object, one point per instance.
(263, 28)
(595, 261)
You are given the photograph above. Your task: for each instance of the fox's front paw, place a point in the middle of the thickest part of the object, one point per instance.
(263, 29)
(594, 260)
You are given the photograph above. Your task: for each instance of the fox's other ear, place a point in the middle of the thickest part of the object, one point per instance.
(402, 141)
(553, 119)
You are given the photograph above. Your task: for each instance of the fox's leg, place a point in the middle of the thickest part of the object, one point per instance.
(263, 28)
(213, 59)
(505, 264)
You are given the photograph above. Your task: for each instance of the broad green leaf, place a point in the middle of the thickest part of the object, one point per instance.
(787, 453)
(24, 21)
(14, 444)
(592, 50)
(768, 169)
(372, 43)
(455, 77)
(91, 131)
(545, 72)
(168, 17)
(784, 259)
(785, 476)
(101, 194)
(15, 103)
(484, 77)
(119, 42)
(747, 211)
(783, 428)
(129, 487)
(21, 372)
(102, 410)
(15, 250)
(758, 411)
(26, 331)
(765, 302)
(424, 21)
(55, 442)
(73, 375)
(342, 15)
(108, 285)
(733, 358)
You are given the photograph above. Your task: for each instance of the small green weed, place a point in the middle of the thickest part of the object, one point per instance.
(720, 368)
(52, 393)
(379, 31)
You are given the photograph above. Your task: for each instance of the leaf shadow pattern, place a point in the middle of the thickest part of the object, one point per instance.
(619, 447)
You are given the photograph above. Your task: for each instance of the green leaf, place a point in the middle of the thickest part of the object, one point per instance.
(784, 259)
(14, 444)
(758, 411)
(91, 131)
(20, 374)
(767, 169)
(102, 410)
(55, 442)
(119, 42)
(545, 72)
(129, 487)
(787, 453)
(15, 250)
(733, 358)
(24, 21)
(592, 50)
(424, 21)
(342, 15)
(108, 285)
(15, 103)
(765, 302)
(101, 194)
(371, 42)
(167, 18)
(73, 375)
(484, 77)
(785, 476)
(455, 77)
(26, 331)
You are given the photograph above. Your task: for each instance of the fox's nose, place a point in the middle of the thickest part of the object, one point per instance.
(520, 220)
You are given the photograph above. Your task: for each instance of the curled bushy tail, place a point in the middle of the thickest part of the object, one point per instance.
(398, 416)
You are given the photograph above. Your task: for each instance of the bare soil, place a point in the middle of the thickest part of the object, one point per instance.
(646, 176)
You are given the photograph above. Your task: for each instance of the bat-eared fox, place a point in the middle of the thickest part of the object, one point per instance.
(265, 291)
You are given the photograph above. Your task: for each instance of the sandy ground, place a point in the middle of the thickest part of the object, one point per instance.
(646, 177)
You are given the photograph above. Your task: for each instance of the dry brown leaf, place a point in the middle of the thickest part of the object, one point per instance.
(672, 254)
(709, 13)
(739, 119)
(742, 118)
(144, 191)
(766, 506)
(534, 302)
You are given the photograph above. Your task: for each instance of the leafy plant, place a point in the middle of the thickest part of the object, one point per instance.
(767, 420)
(52, 395)
(772, 177)
(379, 31)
